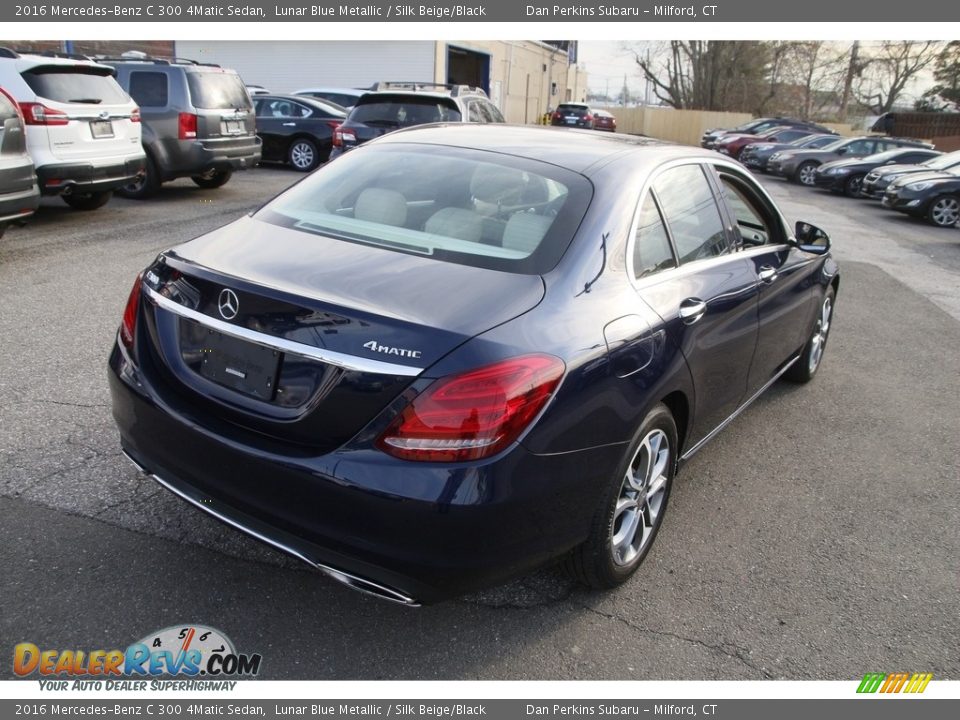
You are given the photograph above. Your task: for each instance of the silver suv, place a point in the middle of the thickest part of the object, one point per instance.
(19, 195)
(198, 121)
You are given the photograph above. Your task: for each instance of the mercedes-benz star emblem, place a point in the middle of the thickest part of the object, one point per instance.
(228, 304)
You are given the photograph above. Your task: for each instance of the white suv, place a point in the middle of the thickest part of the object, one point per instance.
(83, 130)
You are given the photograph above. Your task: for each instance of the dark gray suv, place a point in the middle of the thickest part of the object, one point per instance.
(198, 121)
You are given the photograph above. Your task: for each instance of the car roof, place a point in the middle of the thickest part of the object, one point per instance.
(25, 61)
(342, 90)
(577, 150)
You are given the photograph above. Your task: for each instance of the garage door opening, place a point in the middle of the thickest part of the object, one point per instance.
(468, 67)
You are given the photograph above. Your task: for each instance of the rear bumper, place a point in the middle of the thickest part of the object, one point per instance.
(185, 158)
(55, 179)
(421, 532)
(19, 205)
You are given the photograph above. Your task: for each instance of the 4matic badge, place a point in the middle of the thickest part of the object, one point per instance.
(388, 350)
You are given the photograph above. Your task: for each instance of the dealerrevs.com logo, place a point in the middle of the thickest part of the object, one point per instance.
(191, 651)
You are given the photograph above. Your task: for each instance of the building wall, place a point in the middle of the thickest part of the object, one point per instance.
(156, 48)
(288, 66)
(522, 75)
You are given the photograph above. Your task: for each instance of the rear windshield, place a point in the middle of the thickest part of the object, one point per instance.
(403, 111)
(217, 91)
(75, 84)
(572, 108)
(468, 207)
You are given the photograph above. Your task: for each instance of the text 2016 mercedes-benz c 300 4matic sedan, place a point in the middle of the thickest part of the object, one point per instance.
(460, 352)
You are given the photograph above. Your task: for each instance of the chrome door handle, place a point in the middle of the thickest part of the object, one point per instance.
(289, 124)
(691, 310)
(767, 274)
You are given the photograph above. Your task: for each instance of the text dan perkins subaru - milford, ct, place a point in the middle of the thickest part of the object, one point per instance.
(460, 352)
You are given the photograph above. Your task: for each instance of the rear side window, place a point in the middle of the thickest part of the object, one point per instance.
(692, 213)
(217, 91)
(651, 249)
(403, 111)
(75, 84)
(463, 206)
(149, 89)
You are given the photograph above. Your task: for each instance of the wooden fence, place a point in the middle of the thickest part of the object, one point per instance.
(680, 126)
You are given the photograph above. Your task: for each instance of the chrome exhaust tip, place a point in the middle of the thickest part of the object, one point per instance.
(367, 587)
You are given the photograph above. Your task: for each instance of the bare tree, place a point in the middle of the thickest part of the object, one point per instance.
(706, 75)
(889, 69)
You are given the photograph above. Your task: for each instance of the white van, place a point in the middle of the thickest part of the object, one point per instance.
(83, 130)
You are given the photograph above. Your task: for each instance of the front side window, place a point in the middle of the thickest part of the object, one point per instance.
(691, 213)
(757, 223)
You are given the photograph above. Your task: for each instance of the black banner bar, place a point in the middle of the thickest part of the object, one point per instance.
(476, 11)
(184, 707)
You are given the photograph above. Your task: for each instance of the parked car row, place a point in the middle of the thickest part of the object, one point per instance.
(86, 128)
(904, 173)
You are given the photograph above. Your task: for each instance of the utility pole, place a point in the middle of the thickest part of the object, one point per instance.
(626, 92)
(852, 69)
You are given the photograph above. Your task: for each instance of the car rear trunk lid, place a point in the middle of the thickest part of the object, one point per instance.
(306, 341)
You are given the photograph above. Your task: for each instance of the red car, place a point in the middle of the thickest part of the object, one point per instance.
(734, 143)
(602, 120)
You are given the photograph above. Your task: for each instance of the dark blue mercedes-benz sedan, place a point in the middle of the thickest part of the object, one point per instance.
(460, 352)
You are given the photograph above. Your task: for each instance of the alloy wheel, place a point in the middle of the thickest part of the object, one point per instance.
(641, 498)
(808, 174)
(301, 155)
(945, 211)
(819, 338)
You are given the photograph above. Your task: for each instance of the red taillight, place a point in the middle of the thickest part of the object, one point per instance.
(135, 115)
(557, 115)
(588, 117)
(474, 414)
(334, 124)
(341, 137)
(40, 114)
(129, 325)
(187, 125)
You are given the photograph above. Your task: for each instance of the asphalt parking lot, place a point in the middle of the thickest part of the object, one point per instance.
(815, 538)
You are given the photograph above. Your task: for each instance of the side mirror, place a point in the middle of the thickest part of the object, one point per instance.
(841, 151)
(811, 239)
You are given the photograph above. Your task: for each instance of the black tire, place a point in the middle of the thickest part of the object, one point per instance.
(593, 563)
(144, 187)
(944, 211)
(804, 173)
(851, 188)
(87, 200)
(213, 179)
(303, 154)
(811, 356)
